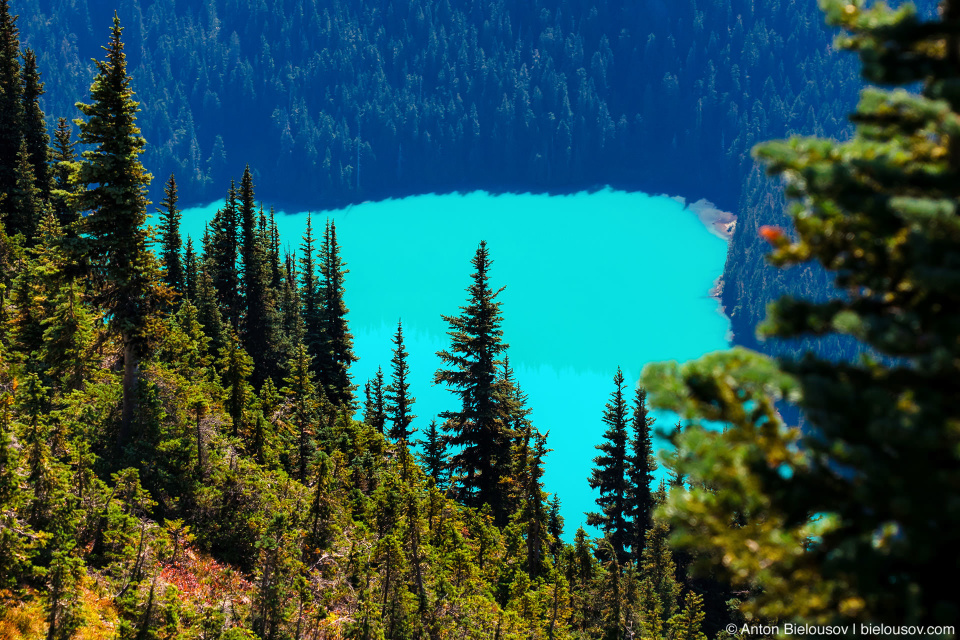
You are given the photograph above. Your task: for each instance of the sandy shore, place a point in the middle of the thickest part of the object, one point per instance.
(719, 223)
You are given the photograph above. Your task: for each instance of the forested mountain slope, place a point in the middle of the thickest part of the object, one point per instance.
(424, 96)
(342, 102)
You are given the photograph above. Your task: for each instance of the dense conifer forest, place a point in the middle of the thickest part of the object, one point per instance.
(185, 453)
(363, 101)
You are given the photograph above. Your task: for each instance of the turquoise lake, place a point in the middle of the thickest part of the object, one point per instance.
(592, 281)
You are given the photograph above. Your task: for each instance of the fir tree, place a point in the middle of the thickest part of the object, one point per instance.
(291, 320)
(116, 197)
(555, 525)
(609, 473)
(68, 336)
(15, 549)
(434, 455)
(660, 574)
(170, 243)
(839, 522)
(301, 388)
(276, 265)
(236, 366)
(612, 612)
(534, 509)
(191, 274)
(34, 126)
(378, 407)
(399, 400)
(65, 573)
(310, 296)
(641, 465)
(11, 99)
(64, 174)
(479, 436)
(25, 206)
(686, 624)
(261, 324)
(335, 354)
(222, 251)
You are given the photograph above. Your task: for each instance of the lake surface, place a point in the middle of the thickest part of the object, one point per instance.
(592, 281)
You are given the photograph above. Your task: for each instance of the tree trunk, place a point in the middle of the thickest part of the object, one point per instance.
(131, 378)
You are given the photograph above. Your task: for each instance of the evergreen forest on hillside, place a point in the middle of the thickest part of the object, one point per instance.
(185, 452)
(354, 102)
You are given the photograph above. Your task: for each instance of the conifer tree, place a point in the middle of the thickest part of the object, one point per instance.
(261, 324)
(170, 243)
(479, 436)
(33, 292)
(301, 388)
(11, 99)
(25, 206)
(378, 411)
(555, 524)
(34, 126)
(116, 182)
(321, 527)
(839, 522)
(274, 259)
(66, 570)
(68, 336)
(686, 624)
(641, 465)
(236, 366)
(399, 400)
(609, 473)
(434, 455)
(534, 510)
(64, 174)
(310, 295)
(336, 350)
(660, 571)
(209, 309)
(291, 319)
(222, 251)
(612, 613)
(191, 273)
(15, 549)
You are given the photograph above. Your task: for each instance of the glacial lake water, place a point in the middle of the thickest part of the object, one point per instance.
(593, 281)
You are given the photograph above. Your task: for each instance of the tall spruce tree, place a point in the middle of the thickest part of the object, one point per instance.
(222, 251)
(480, 437)
(854, 517)
(609, 475)
(191, 272)
(34, 126)
(292, 331)
(23, 203)
(641, 465)
(434, 453)
(301, 389)
(399, 400)
(275, 261)
(11, 100)
(125, 270)
(260, 330)
(378, 408)
(236, 366)
(170, 244)
(311, 299)
(64, 174)
(208, 307)
(534, 508)
(336, 350)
